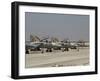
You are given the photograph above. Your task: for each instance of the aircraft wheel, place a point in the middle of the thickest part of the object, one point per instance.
(67, 49)
(50, 50)
(27, 51)
(47, 50)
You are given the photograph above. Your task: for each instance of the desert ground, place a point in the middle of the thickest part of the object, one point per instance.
(58, 58)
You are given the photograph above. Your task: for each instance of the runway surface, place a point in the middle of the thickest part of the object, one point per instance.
(58, 59)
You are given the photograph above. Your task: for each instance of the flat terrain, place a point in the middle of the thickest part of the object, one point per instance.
(58, 58)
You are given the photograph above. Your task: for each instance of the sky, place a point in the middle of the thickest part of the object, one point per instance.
(62, 26)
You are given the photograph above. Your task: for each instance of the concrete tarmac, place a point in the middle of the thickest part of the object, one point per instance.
(58, 59)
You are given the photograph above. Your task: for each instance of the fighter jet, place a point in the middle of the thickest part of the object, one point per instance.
(35, 44)
(67, 44)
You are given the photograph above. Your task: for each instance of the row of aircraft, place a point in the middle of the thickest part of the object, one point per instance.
(50, 46)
